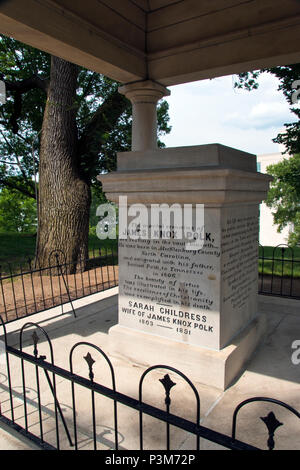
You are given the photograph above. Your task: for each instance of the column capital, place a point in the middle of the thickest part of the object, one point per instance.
(146, 91)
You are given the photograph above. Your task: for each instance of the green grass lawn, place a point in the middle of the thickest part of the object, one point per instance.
(280, 261)
(17, 248)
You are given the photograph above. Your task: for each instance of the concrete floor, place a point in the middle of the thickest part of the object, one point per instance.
(270, 373)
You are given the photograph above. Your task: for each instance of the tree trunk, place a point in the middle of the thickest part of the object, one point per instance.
(64, 196)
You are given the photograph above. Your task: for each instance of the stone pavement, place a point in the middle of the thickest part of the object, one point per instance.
(269, 373)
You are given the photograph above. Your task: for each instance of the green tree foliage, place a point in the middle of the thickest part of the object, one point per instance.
(62, 125)
(17, 212)
(26, 72)
(284, 195)
(287, 76)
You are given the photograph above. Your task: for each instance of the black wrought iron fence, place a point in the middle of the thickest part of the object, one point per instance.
(27, 288)
(55, 426)
(279, 271)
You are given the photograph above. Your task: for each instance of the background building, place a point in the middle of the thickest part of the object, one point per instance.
(268, 233)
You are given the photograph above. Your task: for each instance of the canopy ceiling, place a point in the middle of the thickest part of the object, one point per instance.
(169, 41)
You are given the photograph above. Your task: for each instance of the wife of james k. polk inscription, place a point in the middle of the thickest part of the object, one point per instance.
(184, 295)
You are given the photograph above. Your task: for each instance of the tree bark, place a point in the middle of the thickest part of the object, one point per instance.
(64, 194)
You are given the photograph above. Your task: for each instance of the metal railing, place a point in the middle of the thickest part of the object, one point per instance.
(48, 426)
(26, 288)
(279, 271)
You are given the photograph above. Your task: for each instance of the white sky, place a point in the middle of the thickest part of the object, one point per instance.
(212, 111)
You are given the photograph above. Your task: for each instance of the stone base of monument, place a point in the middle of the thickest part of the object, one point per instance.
(213, 368)
(190, 306)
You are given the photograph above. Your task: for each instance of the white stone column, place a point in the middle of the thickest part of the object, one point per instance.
(144, 97)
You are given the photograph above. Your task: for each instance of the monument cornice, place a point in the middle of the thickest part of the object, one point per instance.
(185, 185)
